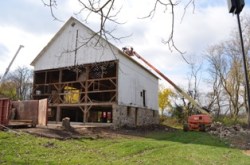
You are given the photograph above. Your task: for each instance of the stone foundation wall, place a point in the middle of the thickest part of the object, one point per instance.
(133, 116)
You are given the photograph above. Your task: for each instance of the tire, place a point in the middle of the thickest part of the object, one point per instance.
(202, 128)
(185, 127)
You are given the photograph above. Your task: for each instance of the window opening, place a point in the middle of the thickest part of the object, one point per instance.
(144, 97)
(128, 111)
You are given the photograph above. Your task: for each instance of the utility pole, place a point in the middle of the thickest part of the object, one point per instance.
(235, 7)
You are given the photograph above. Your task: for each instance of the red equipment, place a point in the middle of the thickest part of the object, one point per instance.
(198, 122)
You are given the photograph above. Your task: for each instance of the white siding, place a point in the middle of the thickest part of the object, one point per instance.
(60, 53)
(132, 81)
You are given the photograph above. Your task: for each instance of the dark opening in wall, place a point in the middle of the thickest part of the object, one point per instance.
(128, 111)
(39, 78)
(144, 97)
(102, 97)
(75, 114)
(100, 114)
(52, 76)
(68, 75)
(51, 114)
(102, 70)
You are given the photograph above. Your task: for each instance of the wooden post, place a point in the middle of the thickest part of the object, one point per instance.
(85, 114)
(58, 114)
(86, 96)
(84, 110)
(60, 86)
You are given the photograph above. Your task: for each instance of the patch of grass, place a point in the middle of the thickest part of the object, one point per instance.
(171, 122)
(159, 148)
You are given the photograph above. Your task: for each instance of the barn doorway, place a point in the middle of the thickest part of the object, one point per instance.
(100, 114)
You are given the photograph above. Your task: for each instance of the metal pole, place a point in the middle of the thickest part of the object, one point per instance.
(245, 68)
(8, 68)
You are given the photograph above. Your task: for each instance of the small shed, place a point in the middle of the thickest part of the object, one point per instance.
(88, 79)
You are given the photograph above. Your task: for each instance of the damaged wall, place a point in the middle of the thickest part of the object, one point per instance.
(133, 116)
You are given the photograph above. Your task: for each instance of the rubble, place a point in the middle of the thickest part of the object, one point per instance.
(236, 135)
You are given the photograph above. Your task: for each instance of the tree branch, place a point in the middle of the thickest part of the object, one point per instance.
(52, 4)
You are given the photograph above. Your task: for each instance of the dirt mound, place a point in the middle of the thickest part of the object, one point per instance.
(236, 135)
(51, 133)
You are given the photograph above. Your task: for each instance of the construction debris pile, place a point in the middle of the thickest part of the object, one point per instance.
(236, 135)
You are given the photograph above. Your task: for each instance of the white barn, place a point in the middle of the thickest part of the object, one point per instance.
(88, 79)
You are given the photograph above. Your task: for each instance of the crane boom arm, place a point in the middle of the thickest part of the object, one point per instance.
(184, 94)
(8, 68)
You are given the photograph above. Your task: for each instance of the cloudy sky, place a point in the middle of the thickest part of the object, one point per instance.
(29, 23)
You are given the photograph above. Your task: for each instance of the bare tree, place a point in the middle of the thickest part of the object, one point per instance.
(108, 12)
(216, 68)
(22, 79)
(194, 76)
(226, 72)
(226, 76)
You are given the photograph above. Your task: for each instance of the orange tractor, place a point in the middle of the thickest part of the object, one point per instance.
(198, 122)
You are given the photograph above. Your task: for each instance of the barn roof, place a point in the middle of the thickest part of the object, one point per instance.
(75, 20)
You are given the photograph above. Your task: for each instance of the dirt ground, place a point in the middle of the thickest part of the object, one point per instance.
(93, 132)
(240, 140)
(236, 135)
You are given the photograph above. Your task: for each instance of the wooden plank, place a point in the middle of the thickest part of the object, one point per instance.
(22, 121)
(82, 104)
(102, 91)
(43, 112)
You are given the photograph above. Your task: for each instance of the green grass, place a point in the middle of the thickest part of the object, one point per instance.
(171, 122)
(159, 148)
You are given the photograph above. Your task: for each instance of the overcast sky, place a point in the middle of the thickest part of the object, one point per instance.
(29, 23)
